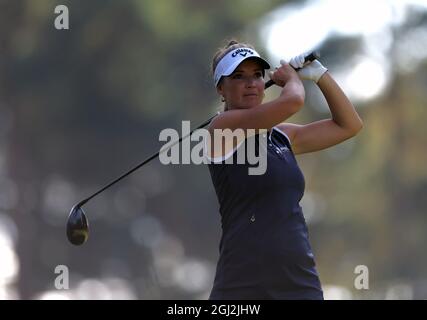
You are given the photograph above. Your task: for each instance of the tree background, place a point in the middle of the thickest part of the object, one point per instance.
(79, 107)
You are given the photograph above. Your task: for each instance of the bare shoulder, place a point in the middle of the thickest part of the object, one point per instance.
(225, 135)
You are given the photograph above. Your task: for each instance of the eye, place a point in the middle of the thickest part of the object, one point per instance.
(236, 76)
(258, 75)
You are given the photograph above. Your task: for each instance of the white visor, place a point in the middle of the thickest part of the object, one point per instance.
(231, 61)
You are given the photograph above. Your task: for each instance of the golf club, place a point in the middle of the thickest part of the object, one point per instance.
(77, 223)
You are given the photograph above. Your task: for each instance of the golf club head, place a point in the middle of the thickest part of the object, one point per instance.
(77, 226)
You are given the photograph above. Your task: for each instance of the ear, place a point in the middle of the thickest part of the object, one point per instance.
(219, 89)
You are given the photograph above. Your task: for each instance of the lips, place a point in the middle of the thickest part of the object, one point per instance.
(251, 95)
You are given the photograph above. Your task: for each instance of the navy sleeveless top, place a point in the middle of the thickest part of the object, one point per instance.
(264, 247)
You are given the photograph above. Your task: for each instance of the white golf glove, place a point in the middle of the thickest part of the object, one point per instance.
(310, 71)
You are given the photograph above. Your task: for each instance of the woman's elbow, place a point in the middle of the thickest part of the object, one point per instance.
(355, 129)
(297, 102)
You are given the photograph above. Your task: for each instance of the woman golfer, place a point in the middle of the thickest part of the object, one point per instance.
(264, 250)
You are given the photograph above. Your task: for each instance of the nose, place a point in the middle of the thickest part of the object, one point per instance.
(250, 82)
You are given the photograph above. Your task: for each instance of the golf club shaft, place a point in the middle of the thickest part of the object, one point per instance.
(310, 57)
(81, 203)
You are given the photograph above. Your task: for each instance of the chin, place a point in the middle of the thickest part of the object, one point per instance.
(253, 105)
(250, 105)
(245, 107)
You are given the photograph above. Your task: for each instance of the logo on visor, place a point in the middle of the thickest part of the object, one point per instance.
(243, 52)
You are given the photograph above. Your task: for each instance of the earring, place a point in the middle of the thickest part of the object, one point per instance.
(222, 99)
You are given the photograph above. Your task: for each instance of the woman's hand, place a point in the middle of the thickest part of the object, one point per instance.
(308, 71)
(284, 74)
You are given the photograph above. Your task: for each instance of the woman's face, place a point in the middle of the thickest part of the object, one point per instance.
(244, 88)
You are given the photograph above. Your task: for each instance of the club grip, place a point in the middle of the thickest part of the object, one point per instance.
(310, 57)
